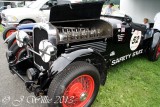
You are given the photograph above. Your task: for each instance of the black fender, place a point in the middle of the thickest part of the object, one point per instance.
(11, 41)
(65, 59)
(11, 53)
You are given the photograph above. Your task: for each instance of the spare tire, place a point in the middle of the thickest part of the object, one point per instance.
(8, 31)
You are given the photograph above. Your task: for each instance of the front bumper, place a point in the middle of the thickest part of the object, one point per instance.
(8, 24)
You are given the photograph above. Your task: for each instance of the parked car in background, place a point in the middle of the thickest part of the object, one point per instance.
(12, 4)
(2, 8)
(34, 14)
(28, 14)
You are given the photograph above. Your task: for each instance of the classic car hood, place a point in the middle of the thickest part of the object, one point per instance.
(76, 11)
(15, 11)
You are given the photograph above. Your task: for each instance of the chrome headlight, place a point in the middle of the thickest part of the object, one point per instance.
(46, 50)
(11, 19)
(22, 38)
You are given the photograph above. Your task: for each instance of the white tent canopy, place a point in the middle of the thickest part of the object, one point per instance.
(140, 9)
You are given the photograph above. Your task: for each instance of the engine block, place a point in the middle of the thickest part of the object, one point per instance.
(77, 33)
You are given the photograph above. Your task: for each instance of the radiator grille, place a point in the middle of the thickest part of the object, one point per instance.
(39, 35)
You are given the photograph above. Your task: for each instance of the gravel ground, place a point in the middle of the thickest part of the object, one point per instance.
(13, 92)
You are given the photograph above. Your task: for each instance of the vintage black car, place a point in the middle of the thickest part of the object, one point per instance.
(67, 59)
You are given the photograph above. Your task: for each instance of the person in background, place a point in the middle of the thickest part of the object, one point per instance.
(8, 6)
(109, 9)
(157, 21)
(145, 21)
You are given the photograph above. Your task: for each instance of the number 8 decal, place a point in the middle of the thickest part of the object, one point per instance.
(135, 40)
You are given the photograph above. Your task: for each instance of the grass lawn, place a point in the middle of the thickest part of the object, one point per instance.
(133, 83)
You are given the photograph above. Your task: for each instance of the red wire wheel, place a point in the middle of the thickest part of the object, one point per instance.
(10, 32)
(154, 50)
(75, 86)
(79, 92)
(158, 51)
(18, 54)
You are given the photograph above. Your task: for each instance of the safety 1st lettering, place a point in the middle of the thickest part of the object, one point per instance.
(128, 56)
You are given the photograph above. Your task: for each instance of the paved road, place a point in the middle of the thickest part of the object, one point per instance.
(12, 90)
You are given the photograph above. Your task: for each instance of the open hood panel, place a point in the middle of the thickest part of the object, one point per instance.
(76, 11)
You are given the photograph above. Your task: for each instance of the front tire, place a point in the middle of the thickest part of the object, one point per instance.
(17, 52)
(76, 86)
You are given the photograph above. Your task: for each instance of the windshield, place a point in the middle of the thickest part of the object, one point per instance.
(35, 4)
(118, 13)
(39, 2)
(3, 7)
(76, 1)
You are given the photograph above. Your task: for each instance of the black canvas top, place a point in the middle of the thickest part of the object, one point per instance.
(76, 11)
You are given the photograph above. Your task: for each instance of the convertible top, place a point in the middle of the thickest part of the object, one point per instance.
(76, 12)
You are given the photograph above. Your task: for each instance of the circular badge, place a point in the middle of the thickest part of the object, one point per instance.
(135, 40)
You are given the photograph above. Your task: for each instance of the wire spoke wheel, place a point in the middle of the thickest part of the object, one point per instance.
(21, 53)
(79, 92)
(158, 51)
(154, 50)
(77, 86)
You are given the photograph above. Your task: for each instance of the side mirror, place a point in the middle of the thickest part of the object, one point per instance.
(22, 38)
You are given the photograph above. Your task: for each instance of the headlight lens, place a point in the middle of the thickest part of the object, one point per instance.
(46, 50)
(11, 19)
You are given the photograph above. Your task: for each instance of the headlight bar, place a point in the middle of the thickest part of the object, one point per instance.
(44, 51)
(22, 38)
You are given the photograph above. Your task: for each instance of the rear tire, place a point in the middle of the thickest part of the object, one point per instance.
(154, 54)
(76, 86)
(8, 31)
